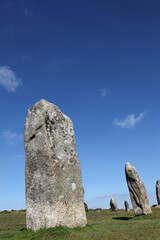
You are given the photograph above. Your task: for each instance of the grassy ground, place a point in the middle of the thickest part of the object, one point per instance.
(11, 223)
(102, 225)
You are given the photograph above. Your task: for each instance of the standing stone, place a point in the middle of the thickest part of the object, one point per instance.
(158, 191)
(113, 204)
(137, 191)
(126, 206)
(54, 191)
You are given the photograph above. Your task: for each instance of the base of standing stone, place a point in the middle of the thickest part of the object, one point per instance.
(56, 215)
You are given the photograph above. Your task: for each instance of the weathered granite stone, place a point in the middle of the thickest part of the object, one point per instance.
(137, 191)
(158, 191)
(126, 206)
(113, 204)
(54, 191)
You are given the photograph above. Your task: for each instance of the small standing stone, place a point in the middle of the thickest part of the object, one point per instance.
(158, 191)
(113, 204)
(126, 206)
(137, 191)
(54, 191)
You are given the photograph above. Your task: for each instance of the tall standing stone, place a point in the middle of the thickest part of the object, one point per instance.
(137, 191)
(126, 206)
(54, 191)
(158, 191)
(113, 204)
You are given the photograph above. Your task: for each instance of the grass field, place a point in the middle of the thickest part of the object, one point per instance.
(102, 225)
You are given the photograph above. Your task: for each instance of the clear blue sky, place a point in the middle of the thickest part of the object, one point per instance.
(99, 62)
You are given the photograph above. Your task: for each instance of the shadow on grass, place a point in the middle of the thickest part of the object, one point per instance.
(122, 218)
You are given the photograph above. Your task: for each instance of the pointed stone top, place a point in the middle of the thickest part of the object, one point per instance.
(42, 104)
(158, 182)
(40, 113)
(127, 165)
(131, 171)
(43, 100)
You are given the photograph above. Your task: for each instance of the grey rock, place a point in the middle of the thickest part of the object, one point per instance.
(126, 206)
(158, 206)
(113, 204)
(137, 191)
(154, 205)
(158, 191)
(54, 191)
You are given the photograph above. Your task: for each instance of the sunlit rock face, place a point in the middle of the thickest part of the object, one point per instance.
(137, 191)
(113, 204)
(54, 191)
(126, 205)
(158, 191)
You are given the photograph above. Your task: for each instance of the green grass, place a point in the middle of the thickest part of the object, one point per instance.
(11, 223)
(102, 225)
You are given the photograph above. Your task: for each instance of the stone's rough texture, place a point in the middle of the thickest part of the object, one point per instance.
(54, 191)
(158, 191)
(126, 206)
(113, 204)
(137, 191)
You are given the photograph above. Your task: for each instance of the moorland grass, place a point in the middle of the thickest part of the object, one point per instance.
(102, 225)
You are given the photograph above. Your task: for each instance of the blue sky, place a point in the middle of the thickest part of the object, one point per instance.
(98, 61)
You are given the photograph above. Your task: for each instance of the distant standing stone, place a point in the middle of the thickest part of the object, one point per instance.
(137, 191)
(54, 191)
(126, 206)
(113, 204)
(158, 191)
(158, 206)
